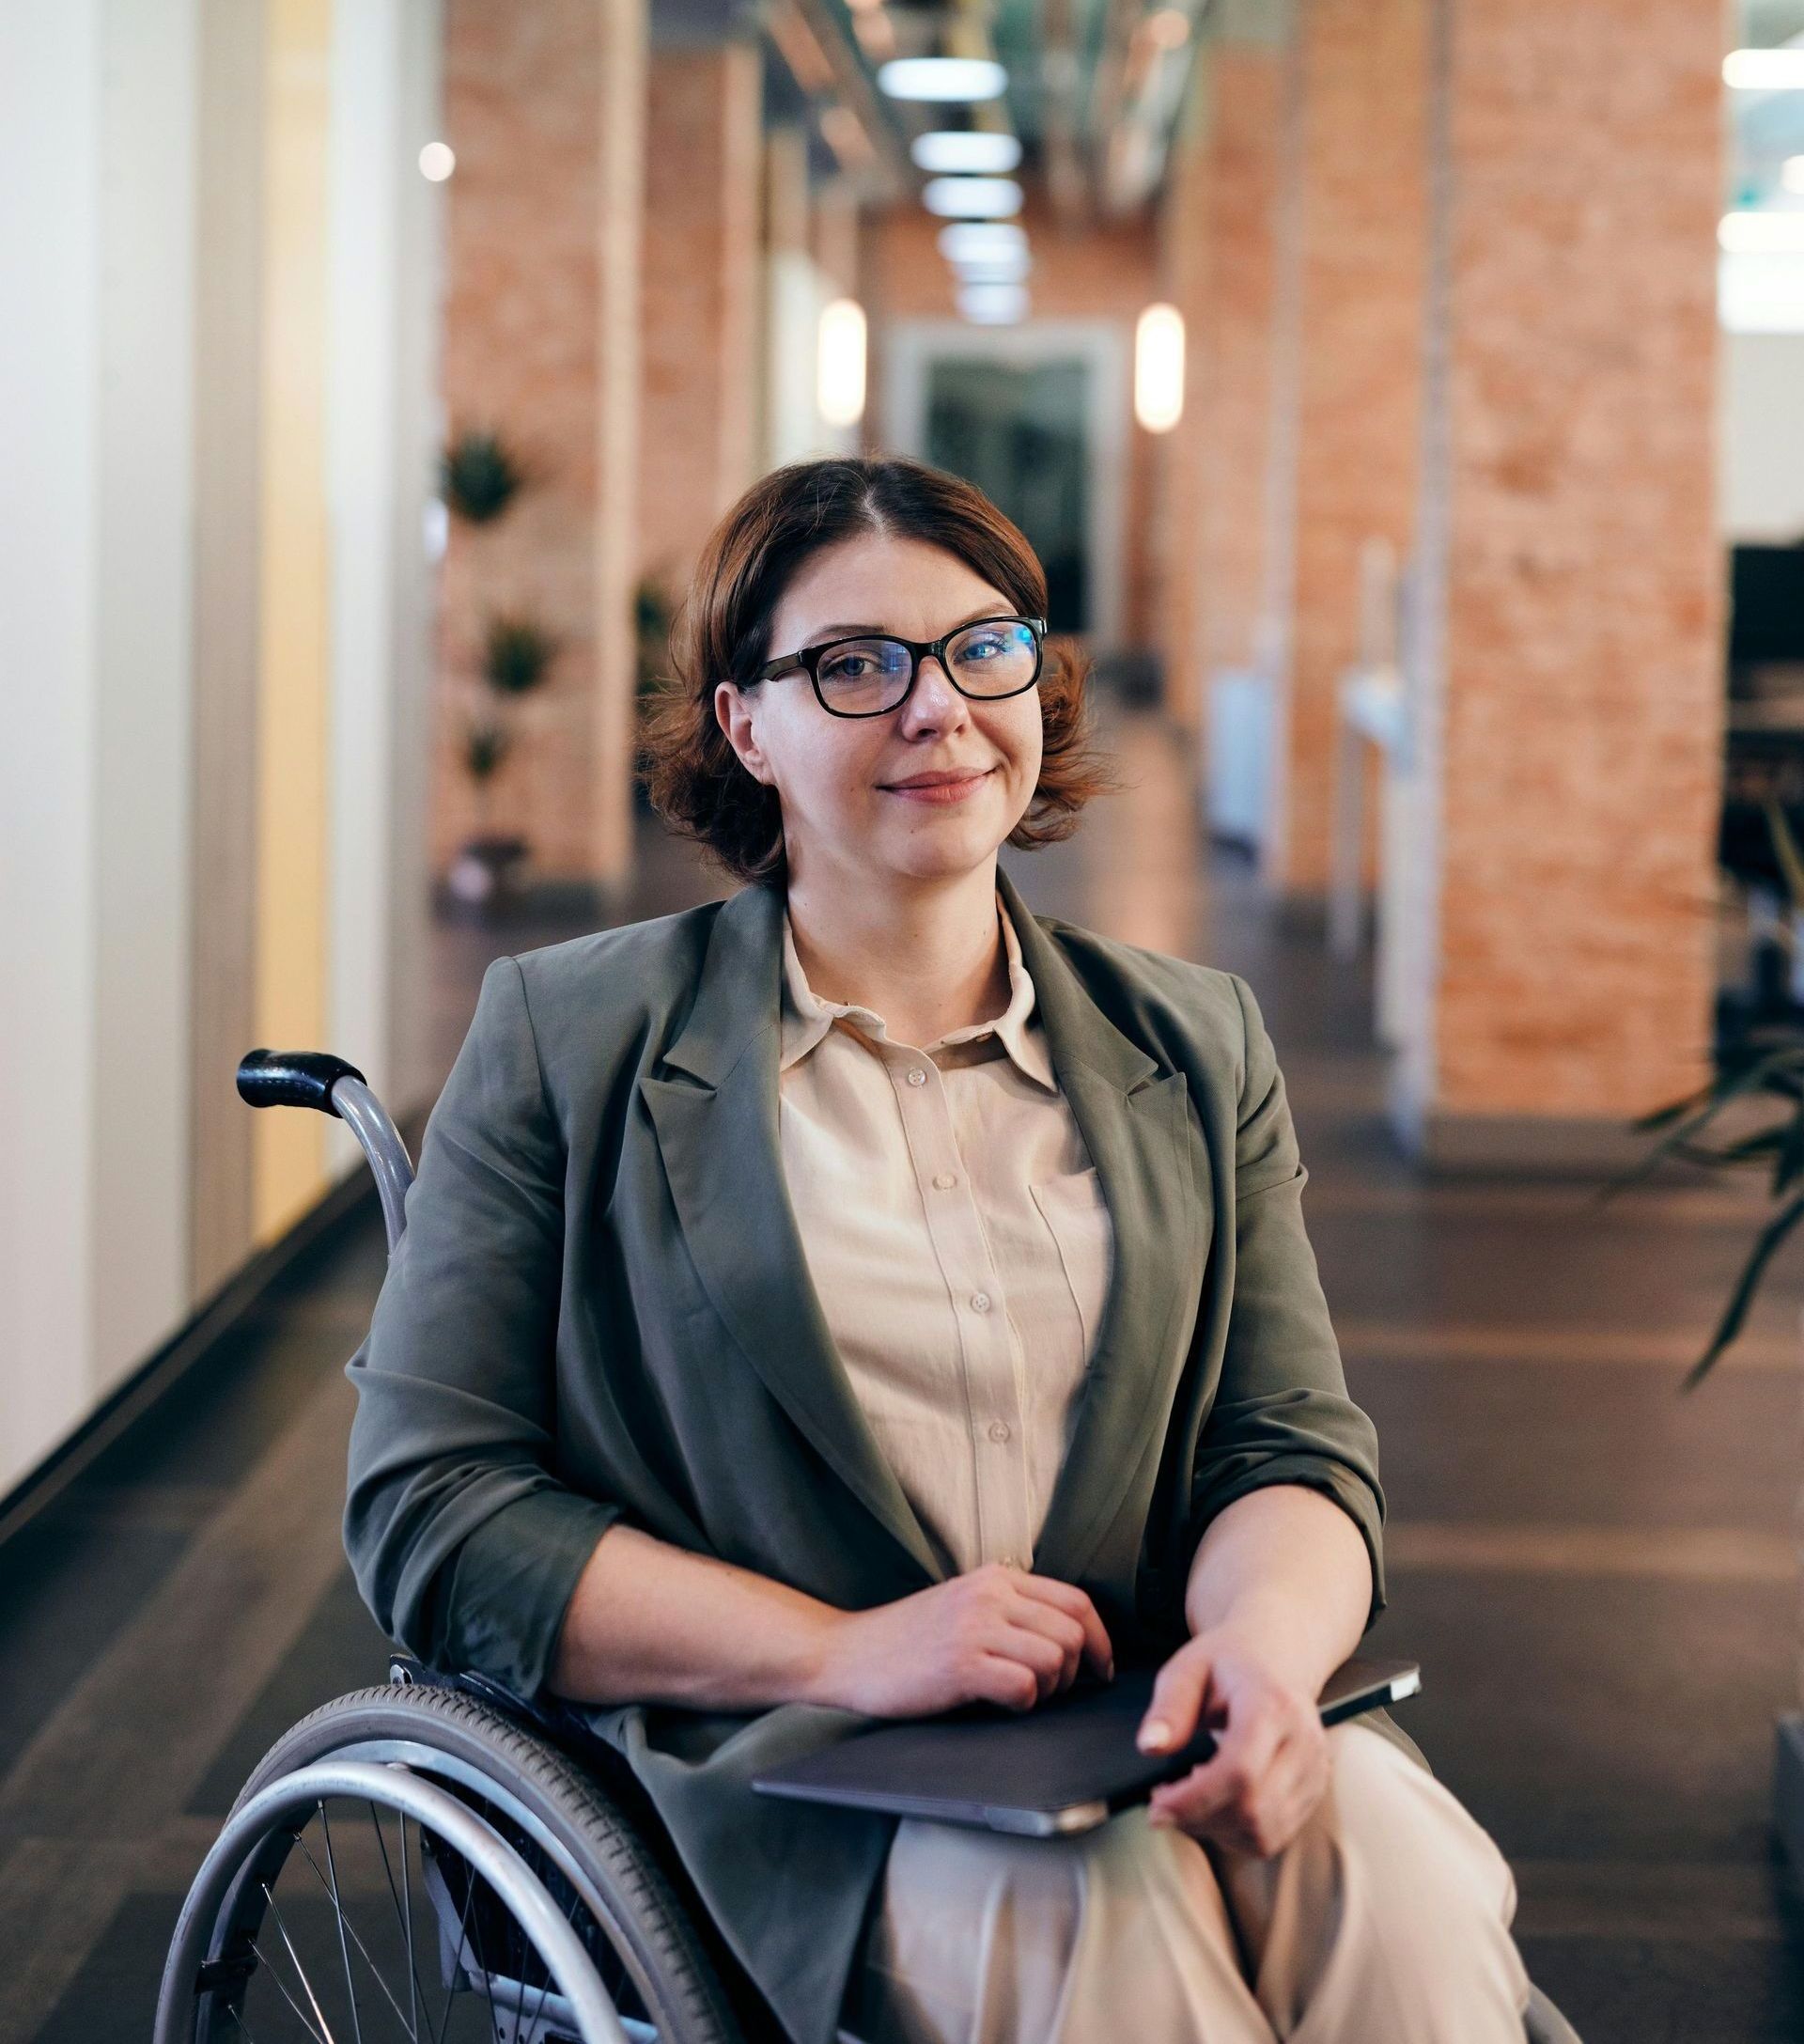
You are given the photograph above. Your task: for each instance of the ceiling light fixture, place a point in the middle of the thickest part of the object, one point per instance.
(994, 270)
(942, 78)
(1753, 233)
(976, 240)
(972, 198)
(979, 151)
(1766, 70)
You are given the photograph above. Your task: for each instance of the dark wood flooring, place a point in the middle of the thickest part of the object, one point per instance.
(1599, 1577)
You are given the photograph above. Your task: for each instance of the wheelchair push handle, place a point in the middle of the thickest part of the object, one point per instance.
(330, 1086)
(292, 1079)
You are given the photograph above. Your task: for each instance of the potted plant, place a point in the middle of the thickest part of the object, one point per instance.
(480, 476)
(1763, 1071)
(487, 864)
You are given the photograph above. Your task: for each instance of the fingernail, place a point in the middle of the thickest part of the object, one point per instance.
(1154, 1734)
(1109, 1673)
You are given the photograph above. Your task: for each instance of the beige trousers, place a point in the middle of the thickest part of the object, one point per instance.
(1385, 1921)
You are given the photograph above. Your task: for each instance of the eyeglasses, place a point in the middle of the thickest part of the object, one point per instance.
(863, 676)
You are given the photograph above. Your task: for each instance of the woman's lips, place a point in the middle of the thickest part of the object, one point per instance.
(943, 792)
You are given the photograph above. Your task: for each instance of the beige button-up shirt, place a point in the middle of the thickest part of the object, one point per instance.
(957, 1235)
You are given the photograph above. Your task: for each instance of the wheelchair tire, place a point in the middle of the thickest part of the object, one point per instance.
(465, 1746)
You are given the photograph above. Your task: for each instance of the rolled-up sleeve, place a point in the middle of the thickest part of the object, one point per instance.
(1282, 1412)
(465, 1545)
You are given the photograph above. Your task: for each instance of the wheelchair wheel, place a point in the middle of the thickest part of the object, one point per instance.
(408, 1862)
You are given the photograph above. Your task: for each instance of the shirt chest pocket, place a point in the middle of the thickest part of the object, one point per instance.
(1076, 1218)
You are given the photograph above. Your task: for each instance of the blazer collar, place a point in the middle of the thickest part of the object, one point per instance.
(718, 1139)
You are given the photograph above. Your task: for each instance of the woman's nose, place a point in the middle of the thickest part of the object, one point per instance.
(933, 699)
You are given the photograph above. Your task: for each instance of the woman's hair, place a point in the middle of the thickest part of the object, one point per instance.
(694, 778)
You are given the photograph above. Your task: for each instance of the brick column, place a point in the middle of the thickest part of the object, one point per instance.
(544, 108)
(1355, 223)
(701, 297)
(1231, 356)
(1568, 658)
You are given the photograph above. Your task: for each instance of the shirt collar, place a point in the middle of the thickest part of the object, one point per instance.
(807, 1018)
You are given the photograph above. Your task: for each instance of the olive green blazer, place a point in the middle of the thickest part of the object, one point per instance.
(601, 1309)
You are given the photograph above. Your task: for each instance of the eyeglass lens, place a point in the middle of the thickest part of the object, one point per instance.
(861, 677)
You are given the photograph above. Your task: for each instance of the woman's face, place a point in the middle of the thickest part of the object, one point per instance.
(845, 812)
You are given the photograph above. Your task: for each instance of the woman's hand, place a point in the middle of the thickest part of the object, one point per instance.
(1270, 1766)
(996, 1633)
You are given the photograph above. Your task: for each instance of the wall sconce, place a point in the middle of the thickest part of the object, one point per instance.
(839, 363)
(1159, 368)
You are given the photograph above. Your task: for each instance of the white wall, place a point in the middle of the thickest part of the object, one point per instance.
(100, 113)
(97, 205)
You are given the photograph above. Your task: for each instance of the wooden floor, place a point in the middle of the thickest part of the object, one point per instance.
(1599, 1577)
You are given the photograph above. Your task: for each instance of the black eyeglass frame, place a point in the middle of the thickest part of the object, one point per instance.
(808, 657)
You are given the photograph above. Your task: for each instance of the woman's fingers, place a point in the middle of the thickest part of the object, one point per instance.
(1075, 1603)
(1057, 1626)
(1001, 1678)
(1176, 1708)
(1246, 1789)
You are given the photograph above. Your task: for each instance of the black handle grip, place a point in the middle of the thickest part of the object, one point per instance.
(292, 1079)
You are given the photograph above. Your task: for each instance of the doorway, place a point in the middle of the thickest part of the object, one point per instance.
(1033, 416)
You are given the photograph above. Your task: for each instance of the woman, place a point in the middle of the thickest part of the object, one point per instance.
(864, 1296)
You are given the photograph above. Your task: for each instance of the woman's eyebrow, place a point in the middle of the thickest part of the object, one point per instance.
(828, 631)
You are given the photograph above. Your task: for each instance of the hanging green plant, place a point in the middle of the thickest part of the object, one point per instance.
(484, 747)
(479, 476)
(516, 654)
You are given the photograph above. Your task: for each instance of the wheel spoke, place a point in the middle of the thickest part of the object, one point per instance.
(300, 1971)
(345, 1925)
(338, 1910)
(404, 1919)
(407, 1890)
(456, 1957)
(282, 1988)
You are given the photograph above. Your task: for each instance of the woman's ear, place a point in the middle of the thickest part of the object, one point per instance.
(733, 712)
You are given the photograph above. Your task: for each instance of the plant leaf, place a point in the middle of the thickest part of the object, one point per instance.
(1729, 1326)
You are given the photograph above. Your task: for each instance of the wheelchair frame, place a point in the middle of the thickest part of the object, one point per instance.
(470, 1794)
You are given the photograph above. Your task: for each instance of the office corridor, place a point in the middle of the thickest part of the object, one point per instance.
(1599, 1578)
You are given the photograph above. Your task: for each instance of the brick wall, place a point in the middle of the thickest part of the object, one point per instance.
(1574, 681)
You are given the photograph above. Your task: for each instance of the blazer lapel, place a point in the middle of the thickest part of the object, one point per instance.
(1135, 1120)
(718, 1135)
(719, 1144)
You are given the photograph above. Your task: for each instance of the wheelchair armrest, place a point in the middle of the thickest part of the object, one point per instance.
(554, 1717)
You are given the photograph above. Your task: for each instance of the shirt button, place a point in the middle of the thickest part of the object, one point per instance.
(917, 1077)
(998, 1430)
(981, 1300)
(945, 1182)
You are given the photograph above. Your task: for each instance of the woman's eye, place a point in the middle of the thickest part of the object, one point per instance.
(847, 667)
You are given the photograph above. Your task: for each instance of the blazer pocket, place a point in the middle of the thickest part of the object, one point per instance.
(1076, 1218)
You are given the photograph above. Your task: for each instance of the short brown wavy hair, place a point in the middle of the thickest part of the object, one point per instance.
(693, 777)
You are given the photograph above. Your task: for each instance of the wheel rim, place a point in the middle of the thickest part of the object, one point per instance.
(418, 1919)
(467, 1779)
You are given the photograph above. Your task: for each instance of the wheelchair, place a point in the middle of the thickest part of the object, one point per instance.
(439, 1859)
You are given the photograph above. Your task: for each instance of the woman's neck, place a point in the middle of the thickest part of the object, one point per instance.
(929, 959)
